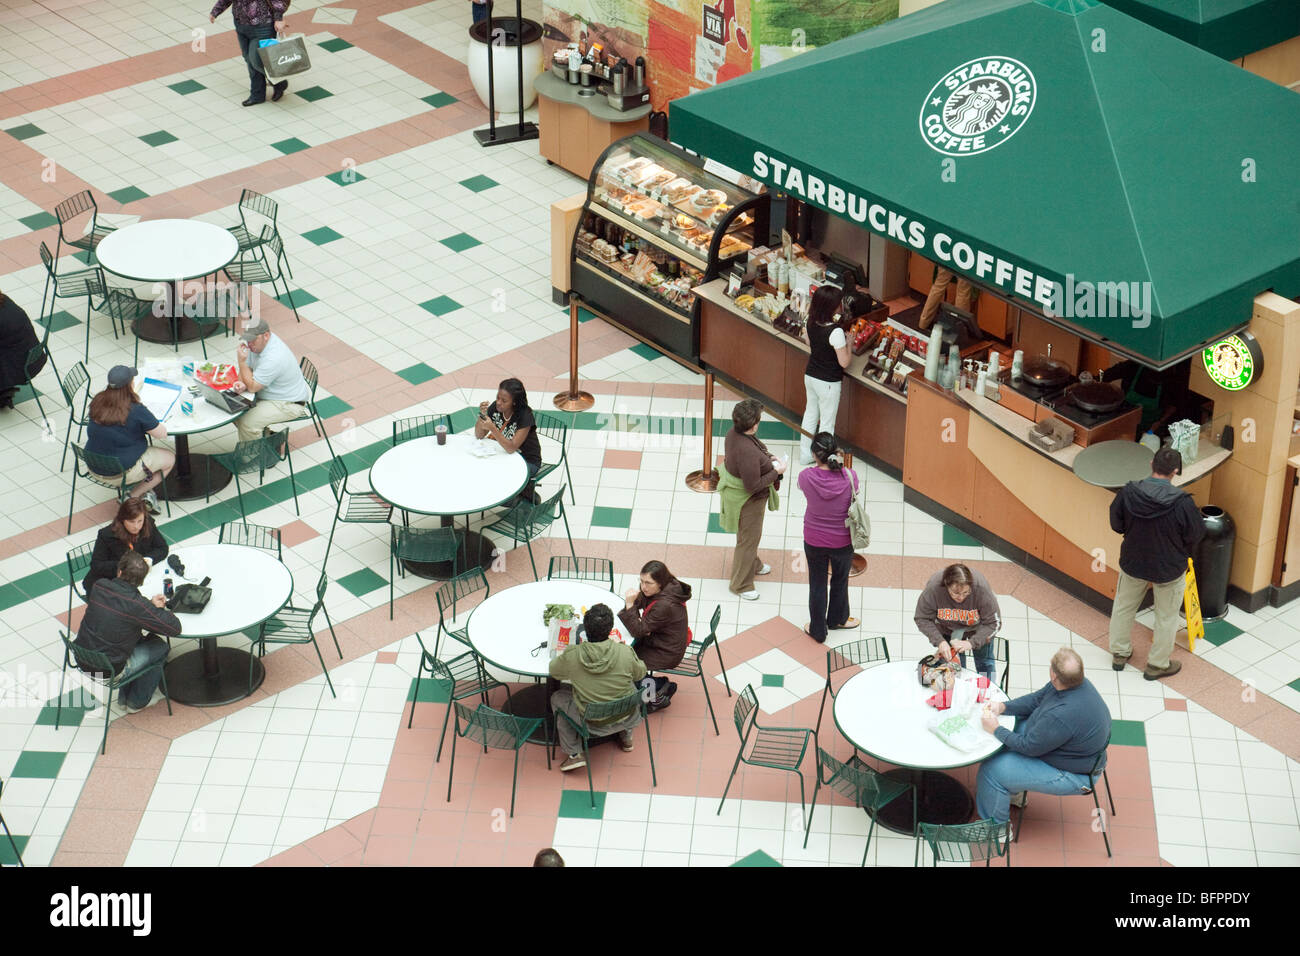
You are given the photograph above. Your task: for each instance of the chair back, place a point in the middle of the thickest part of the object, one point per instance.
(79, 563)
(870, 650)
(47, 258)
(462, 586)
(338, 479)
(86, 660)
(309, 374)
(982, 840)
(744, 714)
(124, 304)
(541, 515)
(491, 728)
(567, 568)
(34, 355)
(103, 469)
(419, 426)
(76, 379)
(251, 536)
(276, 245)
(608, 711)
(857, 781)
(74, 206)
(715, 621)
(256, 454)
(259, 205)
(322, 585)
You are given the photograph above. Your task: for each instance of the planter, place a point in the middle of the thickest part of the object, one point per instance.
(505, 61)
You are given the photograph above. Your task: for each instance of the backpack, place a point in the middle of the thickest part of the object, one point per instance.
(857, 520)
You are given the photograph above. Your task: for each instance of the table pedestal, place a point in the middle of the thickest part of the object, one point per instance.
(195, 475)
(162, 328)
(212, 675)
(532, 700)
(940, 799)
(475, 552)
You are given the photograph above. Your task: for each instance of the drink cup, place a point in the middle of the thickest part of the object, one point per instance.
(441, 432)
(187, 407)
(187, 367)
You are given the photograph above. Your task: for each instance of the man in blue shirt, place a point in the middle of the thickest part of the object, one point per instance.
(1066, 724)
(269, 372)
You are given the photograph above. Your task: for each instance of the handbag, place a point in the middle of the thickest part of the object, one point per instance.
(190, 599)
(933, 671)
(857, 520)
(284, 57)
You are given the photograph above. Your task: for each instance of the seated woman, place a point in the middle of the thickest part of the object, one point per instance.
(17, 339)
(510, 421)
(118, 426)
(656, 618)
(132, 530)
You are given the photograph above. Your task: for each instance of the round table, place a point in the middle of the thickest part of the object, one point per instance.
(426, 478)
(1113, 464)
(195, 475)
(172, 251)
(248, 585)
(883, 712)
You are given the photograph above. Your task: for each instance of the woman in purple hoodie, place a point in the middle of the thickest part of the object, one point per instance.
(826, 541)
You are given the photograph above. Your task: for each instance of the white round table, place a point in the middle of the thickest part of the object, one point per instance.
(426, 478)
(195, 475)
(883, 712)
(248, 585)
(167, 250)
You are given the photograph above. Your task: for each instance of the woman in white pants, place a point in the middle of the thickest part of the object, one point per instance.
(821, 379)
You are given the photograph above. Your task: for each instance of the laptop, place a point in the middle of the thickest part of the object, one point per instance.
(225, 401)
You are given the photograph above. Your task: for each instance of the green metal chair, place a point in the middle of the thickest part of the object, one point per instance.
(257, 221)
(596, 570)
(352, 507)
(103, 470)
(33, 365)
(464, 675)
(967, 842)
(556, 429)
(604, 712)
(96, 664)
(526, 521)
(426, 545)
(692, 664)
(257, 455)
(493, 729)
(419, 426)
(866, 787)
(12, 843)
(68, 212)
(1001, 649)
(73, 285)
(252, 536)
(295, 625)
(864, 654)
(312, 378)
(269, 264)
(462, 586)
(1098, 768)
(125, 308)
(78, 564)
(777, 748)
(77, 380)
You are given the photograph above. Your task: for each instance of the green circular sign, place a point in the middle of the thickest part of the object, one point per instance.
(1234, 362)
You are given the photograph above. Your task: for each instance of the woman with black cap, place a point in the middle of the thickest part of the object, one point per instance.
(119, 428)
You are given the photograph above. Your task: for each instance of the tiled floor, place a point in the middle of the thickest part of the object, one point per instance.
(421, 273)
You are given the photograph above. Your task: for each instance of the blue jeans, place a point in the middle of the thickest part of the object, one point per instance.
(1006, 773)
(248, 37)
(137, 693)
(480, 12)
(984, 663)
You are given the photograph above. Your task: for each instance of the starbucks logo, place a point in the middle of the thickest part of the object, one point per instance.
(977, 106)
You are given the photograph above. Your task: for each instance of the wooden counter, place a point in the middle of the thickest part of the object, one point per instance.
(574, 130)
(749, 354)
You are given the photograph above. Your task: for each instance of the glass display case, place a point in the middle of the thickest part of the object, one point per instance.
(655, 225)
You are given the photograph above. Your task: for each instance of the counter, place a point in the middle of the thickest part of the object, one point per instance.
(573, 130)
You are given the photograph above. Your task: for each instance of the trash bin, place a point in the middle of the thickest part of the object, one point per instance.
(1213, 562)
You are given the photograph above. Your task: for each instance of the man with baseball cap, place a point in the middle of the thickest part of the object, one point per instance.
(269, 372)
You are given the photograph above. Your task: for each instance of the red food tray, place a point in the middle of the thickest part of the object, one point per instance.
(220, 377)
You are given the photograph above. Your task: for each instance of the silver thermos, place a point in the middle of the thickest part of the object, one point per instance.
(617, 77)
(640, 72)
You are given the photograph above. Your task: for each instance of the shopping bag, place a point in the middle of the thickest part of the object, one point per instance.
(284, 57)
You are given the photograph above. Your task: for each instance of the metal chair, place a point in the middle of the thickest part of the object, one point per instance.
(312, 378)
(33, 365)
(692, 664)
(426, 545)
(73, 285)
(103, 470)
(863, 653)
(1098, 767)
(71, 209)
(252, 536)
(77, 379)
(866, 787)
(462, 586)
(419, 426)
(350, 507)
(494, 729)
(464, 676)
(94, 663)
(597, 570)
(269, 265)
(608, 711)
(78, 564)
(556, 429)
(967, 842)
(257, 215)
(1001, 650)
(294, 625)
(777, 748)
(526, 521)
(12, 843)
(257, 455)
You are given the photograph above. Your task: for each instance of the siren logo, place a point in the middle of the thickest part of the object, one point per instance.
(977, 106)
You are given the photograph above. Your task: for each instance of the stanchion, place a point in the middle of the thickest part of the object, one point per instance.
(573, 400)
(859, 560)
(705, 480)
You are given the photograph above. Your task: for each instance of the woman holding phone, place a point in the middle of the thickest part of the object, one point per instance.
(509, 421)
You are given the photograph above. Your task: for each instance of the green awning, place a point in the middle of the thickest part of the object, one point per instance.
(1052, 149)
(1226, 28)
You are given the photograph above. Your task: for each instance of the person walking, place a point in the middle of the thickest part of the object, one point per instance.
(1161, 526)
(752, 472)
(255, 20)
(829, 488)
(827, 360)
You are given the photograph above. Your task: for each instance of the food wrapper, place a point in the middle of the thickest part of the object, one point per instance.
(217, 374)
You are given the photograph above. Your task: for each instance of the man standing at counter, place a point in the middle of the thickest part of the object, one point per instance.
(941, 279)
(1161, 526)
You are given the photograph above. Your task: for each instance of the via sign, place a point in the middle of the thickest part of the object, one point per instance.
(713, 27)
(1234, 362)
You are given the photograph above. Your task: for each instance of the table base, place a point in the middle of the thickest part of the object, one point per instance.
(475, 552)
(530, 701)
(158, 328)
(193, 481)
(940, 799)
(212, 675)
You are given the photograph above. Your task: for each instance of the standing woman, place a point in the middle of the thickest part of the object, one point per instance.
(656, 618)
(17, 339)
(757, 470)
(510, 421)
(829, 488)
(132, 530)
(826, 364)
(255, 20)
(118, 427)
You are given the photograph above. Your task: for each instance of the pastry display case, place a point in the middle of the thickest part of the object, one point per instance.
(656, 225)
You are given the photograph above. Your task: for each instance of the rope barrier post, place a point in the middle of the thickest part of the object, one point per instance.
(573, 400)
(705, 480)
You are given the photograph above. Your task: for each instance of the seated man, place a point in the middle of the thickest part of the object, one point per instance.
(958, 611)
(1066, 725)
(598, 670)
(269, 372)
(117, 619)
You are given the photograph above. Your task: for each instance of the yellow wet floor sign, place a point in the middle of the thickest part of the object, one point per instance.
(1192, 607)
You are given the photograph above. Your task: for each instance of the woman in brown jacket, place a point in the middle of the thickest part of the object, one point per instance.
(656, 617)
(758, 469)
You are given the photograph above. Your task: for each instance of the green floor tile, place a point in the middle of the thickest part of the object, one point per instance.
(1128, 733)
(43, 582)
(186, 87)
(291, 145)
(185, 527)
(439, 99)
(300, 298)
(321, 236)
(602, 517)
(129, 194)
(715, 524)
(39, 220)
(419, 373)
(773, 680)
(774, 431)
(478, 183)
(441, 305)
(1221, 632)
(362, 582)
(345, 177)
(83, 255)
(7, 857)
(577, 804)
(314, 93)
(431, 691)
(460, 242)
(43, 764)
(26, 131)
(757, 858)
(647, 352)
(11, 596)
(338, 43)
(960, 539)
(331, 405)
(1295, 685)
(25, 394)
(73, 712)
(583, 314)
(59, 321)
(160, 138)
(463, 419)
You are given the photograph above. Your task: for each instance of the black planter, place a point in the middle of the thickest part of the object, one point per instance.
(1213, 562)
(509, 29)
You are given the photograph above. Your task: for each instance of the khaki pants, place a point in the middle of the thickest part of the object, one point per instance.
(1128, 595)
(267, 412)
(570, 741)
(936, 296)
(155, 458)
(745, 563)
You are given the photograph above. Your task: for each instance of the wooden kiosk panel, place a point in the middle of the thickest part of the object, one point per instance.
(873, 422)
(1068, 558)
(936, 462)
(1001, 512)
(736, 348)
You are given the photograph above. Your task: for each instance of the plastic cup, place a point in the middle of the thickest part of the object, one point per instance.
(441, 432)
(187, 367)
(187, 407)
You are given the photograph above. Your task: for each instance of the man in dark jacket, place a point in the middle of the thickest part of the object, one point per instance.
(255, 20)
(1161, 526)
(116, 623)
(17, 339)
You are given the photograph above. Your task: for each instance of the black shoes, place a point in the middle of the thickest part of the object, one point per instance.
(663, 699)
(278, 89)
(252, 102)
